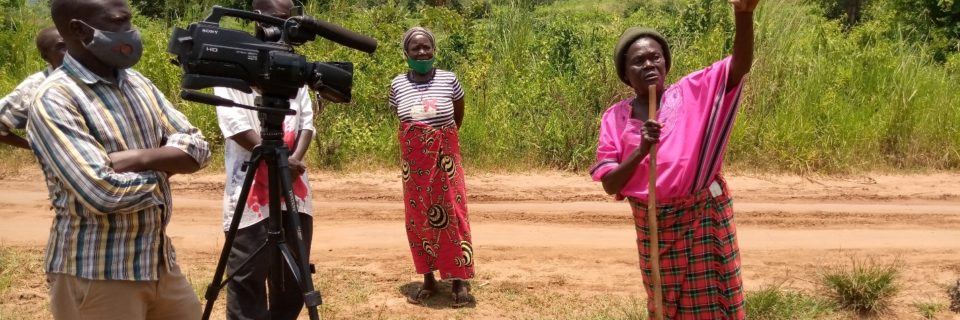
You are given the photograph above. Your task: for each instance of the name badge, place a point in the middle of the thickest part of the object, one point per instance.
(425, 111)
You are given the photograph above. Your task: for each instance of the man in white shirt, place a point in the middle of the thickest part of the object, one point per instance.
(246, 293)
(13, 107)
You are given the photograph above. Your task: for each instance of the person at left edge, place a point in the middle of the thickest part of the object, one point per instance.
(107, 141)
(13, 107)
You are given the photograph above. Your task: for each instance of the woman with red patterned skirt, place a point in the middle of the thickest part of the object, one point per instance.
(700, 261)
(429, 103)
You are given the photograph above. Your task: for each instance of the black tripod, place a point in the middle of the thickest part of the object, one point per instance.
(272, 111)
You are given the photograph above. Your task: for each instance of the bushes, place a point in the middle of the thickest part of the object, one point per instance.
(539, 74)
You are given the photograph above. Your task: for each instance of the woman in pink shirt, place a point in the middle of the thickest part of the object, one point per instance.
(700, 262)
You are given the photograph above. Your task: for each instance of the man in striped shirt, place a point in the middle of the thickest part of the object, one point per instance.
(13, 107)
(107, 141)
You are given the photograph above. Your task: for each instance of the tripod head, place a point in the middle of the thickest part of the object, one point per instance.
(272, 122)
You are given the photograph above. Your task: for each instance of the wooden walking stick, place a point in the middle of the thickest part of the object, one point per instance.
(652, 214)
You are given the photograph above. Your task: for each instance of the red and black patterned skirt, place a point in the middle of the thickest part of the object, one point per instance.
(435, 201)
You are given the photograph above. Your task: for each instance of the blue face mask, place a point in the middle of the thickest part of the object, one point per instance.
(120, 50)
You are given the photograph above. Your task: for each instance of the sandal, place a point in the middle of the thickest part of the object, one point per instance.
(460, 300)
(419, 296)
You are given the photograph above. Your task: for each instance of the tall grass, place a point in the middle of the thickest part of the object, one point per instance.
(538, 76)
(866, 287)
(20, 25)
(825, 100)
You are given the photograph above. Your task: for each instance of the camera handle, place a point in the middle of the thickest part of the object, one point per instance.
(213, 100)
(303, 26)
(219, 12)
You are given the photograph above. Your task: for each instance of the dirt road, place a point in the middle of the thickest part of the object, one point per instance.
(559, 232)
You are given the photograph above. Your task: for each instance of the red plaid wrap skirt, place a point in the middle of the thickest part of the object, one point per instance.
(699, 256)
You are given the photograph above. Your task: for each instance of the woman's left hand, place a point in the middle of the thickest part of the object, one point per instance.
(744, 5)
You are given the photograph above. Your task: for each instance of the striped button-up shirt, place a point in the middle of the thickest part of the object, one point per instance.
(108, 225)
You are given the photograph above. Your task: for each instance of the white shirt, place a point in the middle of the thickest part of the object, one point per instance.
(236, 120)
(13, 107)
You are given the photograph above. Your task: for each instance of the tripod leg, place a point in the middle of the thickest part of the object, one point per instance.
(292, 264)
(217, 283)
(311, 297)
(286, 297)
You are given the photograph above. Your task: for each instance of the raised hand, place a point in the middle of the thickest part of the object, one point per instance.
(742, 56)
(744, 5)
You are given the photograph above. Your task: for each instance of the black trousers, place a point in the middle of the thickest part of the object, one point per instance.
(247, 292)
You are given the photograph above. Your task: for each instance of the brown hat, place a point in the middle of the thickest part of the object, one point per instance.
(627, 39)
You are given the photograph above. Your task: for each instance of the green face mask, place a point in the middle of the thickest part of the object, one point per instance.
(420, 66)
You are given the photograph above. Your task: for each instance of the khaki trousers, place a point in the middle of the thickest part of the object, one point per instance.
(171, 297)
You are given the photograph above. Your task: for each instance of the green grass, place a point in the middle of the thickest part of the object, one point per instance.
(610, 6)
(866, 287)
(537, 78)
(8, 269)
(23, 293)
(622, 309)
(775, 303)
(15, 265)
(769, 303)
(929, 310)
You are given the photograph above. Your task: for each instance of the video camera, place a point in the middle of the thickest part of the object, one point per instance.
(212, 56)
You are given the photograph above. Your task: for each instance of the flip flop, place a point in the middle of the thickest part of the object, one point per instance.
(419, 296)
(460, 300)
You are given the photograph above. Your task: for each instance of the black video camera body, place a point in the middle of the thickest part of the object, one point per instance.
(212, 56)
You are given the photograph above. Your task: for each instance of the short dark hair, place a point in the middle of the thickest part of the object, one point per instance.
(44, 34)
(62, 11)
